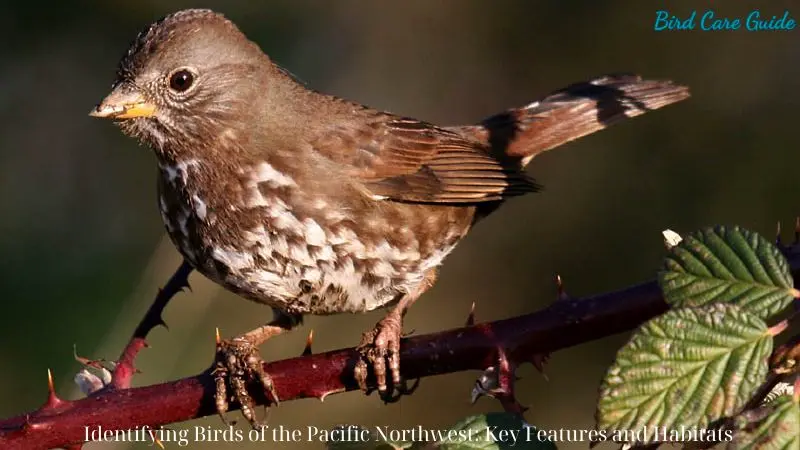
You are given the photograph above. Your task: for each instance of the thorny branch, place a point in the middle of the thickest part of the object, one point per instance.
(124, 368)
(513, 341)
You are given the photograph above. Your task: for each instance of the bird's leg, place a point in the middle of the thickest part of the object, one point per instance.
(382, 344)
(238, 362)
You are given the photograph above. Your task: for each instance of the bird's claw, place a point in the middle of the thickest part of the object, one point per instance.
(237, 364)
(380, 348)
(399, 391)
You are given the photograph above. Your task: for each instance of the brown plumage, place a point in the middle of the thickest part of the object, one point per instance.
(314, 204)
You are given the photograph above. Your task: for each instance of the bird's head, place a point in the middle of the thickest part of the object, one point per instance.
(187, 79)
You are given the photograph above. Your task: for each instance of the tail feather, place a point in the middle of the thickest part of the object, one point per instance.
(570, 113)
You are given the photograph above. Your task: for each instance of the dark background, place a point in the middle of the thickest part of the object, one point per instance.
(83, 248)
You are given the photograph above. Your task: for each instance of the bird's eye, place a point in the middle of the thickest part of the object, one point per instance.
(181, 80)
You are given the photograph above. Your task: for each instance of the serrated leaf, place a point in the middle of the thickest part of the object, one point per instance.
(774, 426)
(687, 367)
(493, 431)
(729, 265)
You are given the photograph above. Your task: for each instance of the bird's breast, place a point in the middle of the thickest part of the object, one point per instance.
(272, 238)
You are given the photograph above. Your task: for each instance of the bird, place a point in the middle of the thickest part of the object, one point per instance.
(313, 204)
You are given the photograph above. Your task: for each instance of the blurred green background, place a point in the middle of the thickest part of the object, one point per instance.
(83, 248)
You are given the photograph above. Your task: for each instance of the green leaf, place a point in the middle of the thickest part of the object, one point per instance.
(729, 265)
(688, 367)
(774, 426)
(493, 431)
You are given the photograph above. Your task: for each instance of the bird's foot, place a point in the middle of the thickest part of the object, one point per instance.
(238, 363)
(380, 346)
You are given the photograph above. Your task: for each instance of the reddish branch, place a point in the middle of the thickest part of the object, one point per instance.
(565, 323)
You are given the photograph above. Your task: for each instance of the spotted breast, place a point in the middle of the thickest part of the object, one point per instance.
(262, 236)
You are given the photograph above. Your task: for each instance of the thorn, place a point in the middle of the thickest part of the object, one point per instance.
(325, 395)
(216, 335)
(160, 322)
(309, 340)
(778, 241)
(184, 284)
(50, 385)
(539, 360)
(471, 316)
(156, 440)
(560, 292)
(52, 398)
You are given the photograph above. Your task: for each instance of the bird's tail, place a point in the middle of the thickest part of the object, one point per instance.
(570, 113)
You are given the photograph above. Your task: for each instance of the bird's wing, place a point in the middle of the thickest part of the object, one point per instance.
(408, 160)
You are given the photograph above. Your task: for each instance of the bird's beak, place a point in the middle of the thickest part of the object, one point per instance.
(123, 103)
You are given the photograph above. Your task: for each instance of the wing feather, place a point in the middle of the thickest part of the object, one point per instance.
(408, 160)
